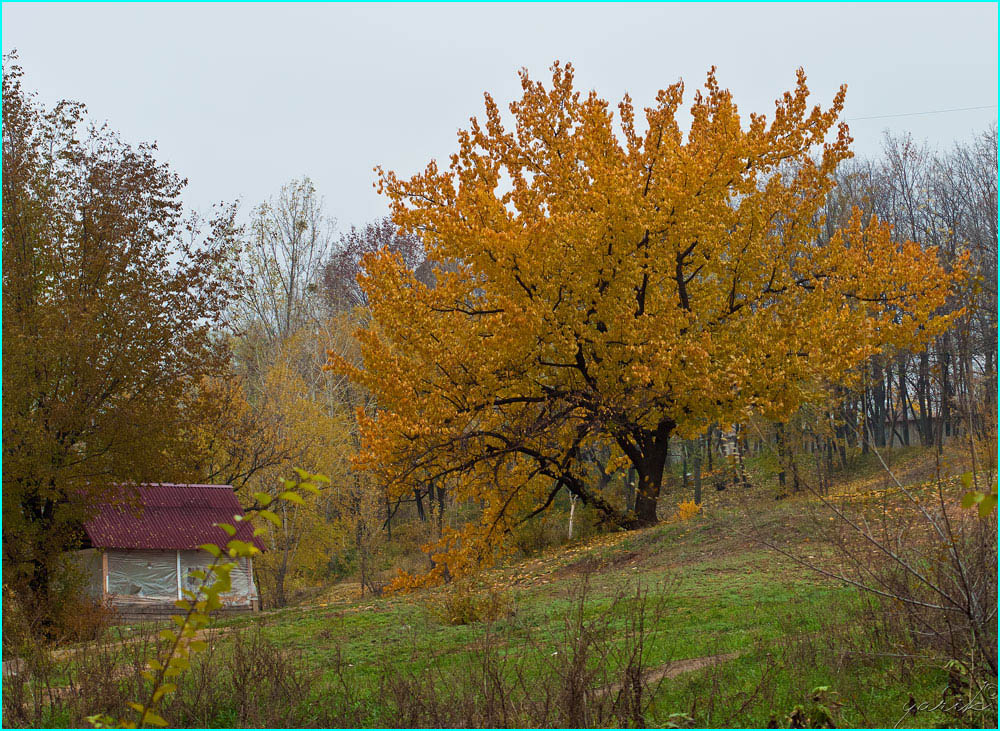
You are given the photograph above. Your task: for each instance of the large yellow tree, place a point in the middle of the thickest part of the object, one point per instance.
(604, 285)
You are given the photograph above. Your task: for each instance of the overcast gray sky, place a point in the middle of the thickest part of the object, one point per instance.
(242, 98)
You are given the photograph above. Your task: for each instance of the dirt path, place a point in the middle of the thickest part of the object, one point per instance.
(673, 669)
(15, 665)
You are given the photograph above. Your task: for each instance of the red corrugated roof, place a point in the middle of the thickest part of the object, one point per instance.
(167, 516)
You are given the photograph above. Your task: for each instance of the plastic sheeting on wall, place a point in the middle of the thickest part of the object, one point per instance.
(243, 588)
(150, 574)
(153, 574)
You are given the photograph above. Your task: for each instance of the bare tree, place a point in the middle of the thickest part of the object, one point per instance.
(289, 238)
(339, 275)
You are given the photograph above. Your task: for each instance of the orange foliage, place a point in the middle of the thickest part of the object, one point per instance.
(603, 288)
(686, 510)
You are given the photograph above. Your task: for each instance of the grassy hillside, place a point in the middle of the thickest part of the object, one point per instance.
(687, 623)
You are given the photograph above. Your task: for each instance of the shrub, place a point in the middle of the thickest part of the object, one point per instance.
(468, 601)
(686, 510)
(929, 566)
(84, 618)
(71, 615)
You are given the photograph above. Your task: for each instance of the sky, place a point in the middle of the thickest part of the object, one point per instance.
(242, 98)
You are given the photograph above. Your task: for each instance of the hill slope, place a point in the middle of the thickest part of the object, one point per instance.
(714, 621)
(733, 631)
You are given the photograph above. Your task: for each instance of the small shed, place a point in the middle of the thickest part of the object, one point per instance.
(142, 554)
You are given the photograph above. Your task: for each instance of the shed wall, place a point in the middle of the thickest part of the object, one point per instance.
(153, 574)
(243, 587)
(146, 574)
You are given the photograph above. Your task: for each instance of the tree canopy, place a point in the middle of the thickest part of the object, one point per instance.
(604, 285)
(110, 295)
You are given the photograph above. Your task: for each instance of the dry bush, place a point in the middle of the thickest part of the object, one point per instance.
(933, 567)
(249, 682)
(244, 682)
(929, 566)
(37, 678)
(84, 619)
(71, 615)
(62, 688)
(470, 600)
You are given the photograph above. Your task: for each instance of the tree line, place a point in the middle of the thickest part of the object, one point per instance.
(560, 315)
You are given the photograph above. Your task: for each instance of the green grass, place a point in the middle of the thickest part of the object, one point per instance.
(744, 602)
(720, 594)
(716, 589)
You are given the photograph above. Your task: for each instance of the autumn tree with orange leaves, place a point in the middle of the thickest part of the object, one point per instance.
(607, 286)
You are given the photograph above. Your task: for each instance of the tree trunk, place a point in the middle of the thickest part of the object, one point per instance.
(946, 389)
(904, 399)
(279, 580)
(572, 509)
(419, 499)
(440, 509)
(646, 498)
(388, 519)
(653, 458)
(878, 415)
(865, 423)
(741, 466)
(31, 562)
(779, 438)
(849, 413)
(39, 603)
(631, 481)
(684, 469)
(696, 469)
(924, 400)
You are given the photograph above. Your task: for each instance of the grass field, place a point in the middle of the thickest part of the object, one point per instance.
(728, 631)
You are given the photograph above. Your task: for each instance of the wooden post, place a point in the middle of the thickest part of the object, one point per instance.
(572, 507)
(254, 603)
(104, 575)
